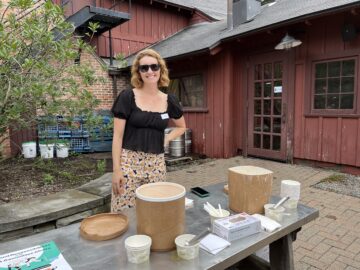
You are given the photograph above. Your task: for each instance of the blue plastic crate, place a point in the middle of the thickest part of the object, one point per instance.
(101, 146)
(79, 145)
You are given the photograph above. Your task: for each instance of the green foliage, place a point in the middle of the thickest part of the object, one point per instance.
(121, 60)
(101, 166)
(48, 178)
(37, 71)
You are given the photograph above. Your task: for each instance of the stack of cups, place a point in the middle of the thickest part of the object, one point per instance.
(290, 188)
(138, 248)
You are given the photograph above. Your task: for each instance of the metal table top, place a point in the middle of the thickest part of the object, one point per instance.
(83, 254)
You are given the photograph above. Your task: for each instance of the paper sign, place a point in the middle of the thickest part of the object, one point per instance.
(45, 256)
(277, 89)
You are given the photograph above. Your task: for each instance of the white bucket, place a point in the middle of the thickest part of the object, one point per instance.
(138, 248)
(186, 252)
(29, 149)
(62, 150)
(47, 150)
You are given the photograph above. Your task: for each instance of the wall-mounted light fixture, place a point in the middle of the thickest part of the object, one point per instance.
(287, 43)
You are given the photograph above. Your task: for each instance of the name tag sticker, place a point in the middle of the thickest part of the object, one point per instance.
(164, 116)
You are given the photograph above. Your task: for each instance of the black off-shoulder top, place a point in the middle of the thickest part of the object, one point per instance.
(144, 130)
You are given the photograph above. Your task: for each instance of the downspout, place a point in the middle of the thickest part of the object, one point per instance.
(229, 14)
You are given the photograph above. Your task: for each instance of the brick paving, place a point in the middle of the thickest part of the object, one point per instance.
(330, 242)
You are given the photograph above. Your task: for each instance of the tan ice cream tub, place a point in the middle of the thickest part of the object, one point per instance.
(160, 213)
(249, 188)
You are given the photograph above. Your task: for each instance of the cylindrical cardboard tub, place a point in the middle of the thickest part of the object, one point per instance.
(160, 213)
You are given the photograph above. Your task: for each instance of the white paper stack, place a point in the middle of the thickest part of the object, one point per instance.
(213, 244)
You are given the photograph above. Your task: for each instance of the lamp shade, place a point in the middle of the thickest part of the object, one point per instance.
(287, 43)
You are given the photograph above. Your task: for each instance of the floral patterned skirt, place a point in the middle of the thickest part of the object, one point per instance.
(138, 168)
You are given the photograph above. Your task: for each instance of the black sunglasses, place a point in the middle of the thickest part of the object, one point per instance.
(145, 68)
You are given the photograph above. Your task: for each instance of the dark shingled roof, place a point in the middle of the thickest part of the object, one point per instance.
(205, 36)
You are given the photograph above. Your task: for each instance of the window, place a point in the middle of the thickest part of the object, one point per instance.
(189, 90)
(334, 85)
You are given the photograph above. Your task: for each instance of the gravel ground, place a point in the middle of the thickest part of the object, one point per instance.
(346, 184)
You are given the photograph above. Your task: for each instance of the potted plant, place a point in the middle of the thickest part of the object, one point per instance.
(62, 148)
(47, 148)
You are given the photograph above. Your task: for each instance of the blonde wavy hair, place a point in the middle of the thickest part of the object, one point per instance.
(136, 80)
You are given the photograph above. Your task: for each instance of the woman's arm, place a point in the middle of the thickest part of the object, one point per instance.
(117, 177)
(180, 128)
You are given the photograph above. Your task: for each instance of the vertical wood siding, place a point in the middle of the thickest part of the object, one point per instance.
(325, 138)
(148, 24)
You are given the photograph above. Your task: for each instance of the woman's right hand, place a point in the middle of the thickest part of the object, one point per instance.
(118, 182)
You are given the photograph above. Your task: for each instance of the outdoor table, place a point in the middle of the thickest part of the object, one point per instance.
(111, 254)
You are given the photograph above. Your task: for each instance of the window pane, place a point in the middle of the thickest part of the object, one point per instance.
(347, 101)
(276, 143)
(267, 107)
(347, 85)
(277, 107)
(334, 85)
(267, 123)
(319, 102)
(257, 89)
(320, 70)
(268, 71)
(320, 86)
(348, 68)
(257, 123)
(257, 72)
(332, 102)
(266, 141)
(257, 140)
(267, 89)
(276, 125)
(278, 70)
(189, 90)
(257, 106)
(334, 69)
(278, 88)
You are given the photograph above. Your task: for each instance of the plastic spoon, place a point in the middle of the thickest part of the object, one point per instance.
(280, 202)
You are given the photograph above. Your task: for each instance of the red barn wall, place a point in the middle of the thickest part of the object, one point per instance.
(325, 138)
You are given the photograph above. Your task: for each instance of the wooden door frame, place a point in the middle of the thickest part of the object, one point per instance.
(290, 101)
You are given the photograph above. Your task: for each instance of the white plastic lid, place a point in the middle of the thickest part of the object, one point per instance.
(160, 192)
(250, 170)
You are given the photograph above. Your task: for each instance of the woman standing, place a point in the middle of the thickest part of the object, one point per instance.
(141, 115)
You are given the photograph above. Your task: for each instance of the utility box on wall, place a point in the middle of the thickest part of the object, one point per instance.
(245, 10)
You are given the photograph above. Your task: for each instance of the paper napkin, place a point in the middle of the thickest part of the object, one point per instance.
(213, 244)
(267, 224)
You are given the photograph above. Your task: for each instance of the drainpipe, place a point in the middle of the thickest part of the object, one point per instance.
(229, 14)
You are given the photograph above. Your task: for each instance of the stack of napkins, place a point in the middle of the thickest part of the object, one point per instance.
(267, 224)
(213, 244)
(189, 203)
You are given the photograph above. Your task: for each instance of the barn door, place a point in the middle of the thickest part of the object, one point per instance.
(267, 107)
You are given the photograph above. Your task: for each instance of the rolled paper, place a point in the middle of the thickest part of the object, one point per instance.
(290, 188)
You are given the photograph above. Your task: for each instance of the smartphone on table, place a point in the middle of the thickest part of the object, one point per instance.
(200, 192)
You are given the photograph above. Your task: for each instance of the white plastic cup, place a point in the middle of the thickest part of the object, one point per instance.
(225, 213)
(186, 252)
(275, 214)
(290, 188)
(138, 248)
(29, 149)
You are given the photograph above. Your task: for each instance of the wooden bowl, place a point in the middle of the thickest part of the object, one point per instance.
(104, 226)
